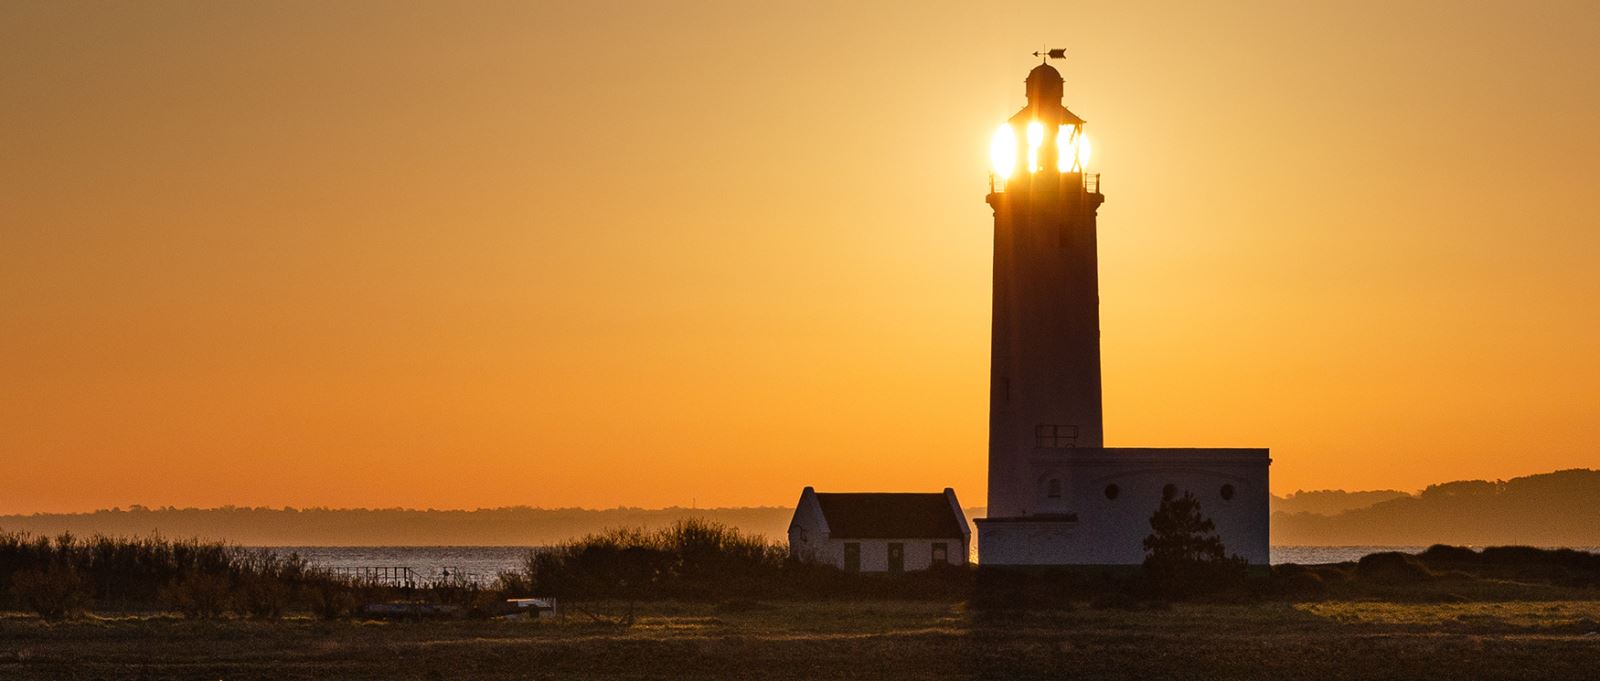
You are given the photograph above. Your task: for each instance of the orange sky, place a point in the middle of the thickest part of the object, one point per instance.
(653, 254)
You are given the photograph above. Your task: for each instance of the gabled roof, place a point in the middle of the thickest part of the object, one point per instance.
(877, 515)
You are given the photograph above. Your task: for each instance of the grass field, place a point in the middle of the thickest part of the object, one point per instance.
(844, 640)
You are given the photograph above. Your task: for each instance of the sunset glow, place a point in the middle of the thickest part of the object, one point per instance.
(657, 254)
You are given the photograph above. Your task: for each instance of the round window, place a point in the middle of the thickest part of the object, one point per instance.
(1227, 492)
(1112, 491)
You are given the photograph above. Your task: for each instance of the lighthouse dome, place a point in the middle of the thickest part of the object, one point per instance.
(1044, 84)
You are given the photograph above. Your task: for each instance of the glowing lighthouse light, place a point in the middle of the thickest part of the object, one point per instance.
(1003, 152)
(1066, 151)
(1035, 139)
(1072, 149)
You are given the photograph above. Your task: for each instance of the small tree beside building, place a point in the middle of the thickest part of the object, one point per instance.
(1184, 555)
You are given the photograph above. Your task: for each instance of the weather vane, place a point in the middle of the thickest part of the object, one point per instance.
(1046, 55)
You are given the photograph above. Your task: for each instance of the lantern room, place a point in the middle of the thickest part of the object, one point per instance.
(1044, 137)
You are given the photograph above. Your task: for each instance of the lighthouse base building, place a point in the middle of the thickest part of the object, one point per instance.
(1092, 506)
(1057, 494)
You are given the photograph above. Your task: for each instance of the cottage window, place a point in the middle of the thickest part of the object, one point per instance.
(941, 553)
(1053, 489)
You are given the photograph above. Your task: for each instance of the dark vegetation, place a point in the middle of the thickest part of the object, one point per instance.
(698, 561)
(701, 560)
(1184, 556)
(65, 577)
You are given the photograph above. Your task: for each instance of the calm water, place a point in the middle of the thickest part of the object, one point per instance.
(482, 563)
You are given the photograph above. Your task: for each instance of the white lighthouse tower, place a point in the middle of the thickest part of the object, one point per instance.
(1057, 494)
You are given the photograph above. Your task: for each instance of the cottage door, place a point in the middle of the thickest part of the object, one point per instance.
(852, 557)
(897, 558)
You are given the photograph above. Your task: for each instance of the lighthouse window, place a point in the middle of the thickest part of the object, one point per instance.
(1227, 492)
(1055, 437)
(1169, 492)
(1054, 489)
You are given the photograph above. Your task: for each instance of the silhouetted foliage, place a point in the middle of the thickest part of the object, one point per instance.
(199, 595)
(1299, 582)
(1184, 555)
(1392, 567)
(1565, 567)
(64, 576)
(53, 592)
(701, 560)
(691, 558)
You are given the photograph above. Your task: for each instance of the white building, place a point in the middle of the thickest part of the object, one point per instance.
(879, 532)
(1057, 494)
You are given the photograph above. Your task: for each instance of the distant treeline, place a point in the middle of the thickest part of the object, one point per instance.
(1552, 509)
(512, 526)
(1331, 501)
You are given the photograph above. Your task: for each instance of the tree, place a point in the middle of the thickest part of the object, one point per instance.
(1184, 555)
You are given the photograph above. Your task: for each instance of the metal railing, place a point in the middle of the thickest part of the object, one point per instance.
(403, 576)
(1091, 183)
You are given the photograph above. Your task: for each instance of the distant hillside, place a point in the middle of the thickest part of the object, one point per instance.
(1331, 501)
(1550, 509)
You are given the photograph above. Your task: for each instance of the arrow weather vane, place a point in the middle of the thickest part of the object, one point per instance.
(1046, 55)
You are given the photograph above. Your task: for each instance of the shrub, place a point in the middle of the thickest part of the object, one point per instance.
(263, 596)
(200, 595)
(54, 592)
(1185, 557)
(692, 558)
(1297, 581)
(1392, 567)
(1442, 554)
(330, 600)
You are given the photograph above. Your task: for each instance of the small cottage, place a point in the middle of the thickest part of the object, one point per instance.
(879, 532)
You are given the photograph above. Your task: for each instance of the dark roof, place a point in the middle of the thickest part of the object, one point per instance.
(875, 515)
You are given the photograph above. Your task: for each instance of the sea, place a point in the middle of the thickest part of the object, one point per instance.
(482, 564)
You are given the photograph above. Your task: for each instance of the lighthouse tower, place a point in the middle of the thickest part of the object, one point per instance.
(1044, 367)
(1057, 494)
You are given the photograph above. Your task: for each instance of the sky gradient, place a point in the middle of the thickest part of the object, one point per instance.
(652, 254)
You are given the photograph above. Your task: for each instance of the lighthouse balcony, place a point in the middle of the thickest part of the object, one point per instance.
(1088, 183)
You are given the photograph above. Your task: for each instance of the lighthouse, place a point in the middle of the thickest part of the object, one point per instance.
(1057, 494)
(1044, 365)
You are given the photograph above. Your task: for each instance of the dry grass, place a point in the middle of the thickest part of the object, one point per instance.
(843, 640)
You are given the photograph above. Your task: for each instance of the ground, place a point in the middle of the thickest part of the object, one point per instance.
(843, 640)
